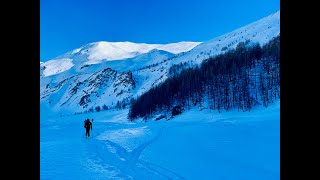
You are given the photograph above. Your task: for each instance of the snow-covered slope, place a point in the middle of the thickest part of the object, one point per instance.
(207, 145)
(122, 50)
(87, 86)
(98, 52)
(142, 60)
(131, 68)
(88, 90)
(56, 66)
(261, 31)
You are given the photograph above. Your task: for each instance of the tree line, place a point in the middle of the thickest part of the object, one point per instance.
(240, 78)
(123, 104)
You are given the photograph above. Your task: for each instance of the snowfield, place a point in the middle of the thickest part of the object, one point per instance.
(194, 145)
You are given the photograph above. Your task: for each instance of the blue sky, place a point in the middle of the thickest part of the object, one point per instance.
(67, 24)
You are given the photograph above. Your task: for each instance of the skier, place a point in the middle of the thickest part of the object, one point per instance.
(88, 126)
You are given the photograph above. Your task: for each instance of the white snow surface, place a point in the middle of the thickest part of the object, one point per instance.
(261, 31)
(194, 145)
(122, 50)
(102, 51)
(56, 66)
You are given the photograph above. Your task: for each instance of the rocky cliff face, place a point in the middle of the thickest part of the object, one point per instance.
(81, 92)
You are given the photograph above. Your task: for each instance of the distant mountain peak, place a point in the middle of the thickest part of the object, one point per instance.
(104, 50)
(101, 51)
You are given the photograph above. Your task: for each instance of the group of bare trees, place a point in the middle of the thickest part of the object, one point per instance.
(240, 78)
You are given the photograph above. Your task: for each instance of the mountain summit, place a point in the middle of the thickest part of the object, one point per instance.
(98, 52)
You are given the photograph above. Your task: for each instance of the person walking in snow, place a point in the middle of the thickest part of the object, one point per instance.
(88, 126)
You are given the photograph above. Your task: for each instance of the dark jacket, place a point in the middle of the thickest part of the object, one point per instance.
(88, 125)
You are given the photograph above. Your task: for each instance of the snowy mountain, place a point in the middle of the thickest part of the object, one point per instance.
(261, 31)
(103, 73)
(99, 52)
(91, 85)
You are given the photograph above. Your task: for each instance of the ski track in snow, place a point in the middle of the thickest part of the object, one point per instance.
(115, 158)
(127, 161)
(214, 146)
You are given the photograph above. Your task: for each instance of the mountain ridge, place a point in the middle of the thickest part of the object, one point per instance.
(146, 70)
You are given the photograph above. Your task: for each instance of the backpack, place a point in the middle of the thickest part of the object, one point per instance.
(87, 124)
